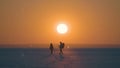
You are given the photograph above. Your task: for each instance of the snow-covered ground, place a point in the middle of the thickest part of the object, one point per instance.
(46, 60)
(72, 58)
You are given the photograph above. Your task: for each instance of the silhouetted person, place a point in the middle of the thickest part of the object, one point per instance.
(51, 48)
(61, 46)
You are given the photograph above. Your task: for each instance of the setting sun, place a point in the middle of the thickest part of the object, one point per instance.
(62, 28)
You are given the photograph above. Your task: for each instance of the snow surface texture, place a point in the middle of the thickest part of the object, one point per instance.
(72, 58)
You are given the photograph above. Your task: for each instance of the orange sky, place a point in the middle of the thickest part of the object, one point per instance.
(34, 21)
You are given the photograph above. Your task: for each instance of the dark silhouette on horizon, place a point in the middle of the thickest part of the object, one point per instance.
(61, 46)
(51, 48)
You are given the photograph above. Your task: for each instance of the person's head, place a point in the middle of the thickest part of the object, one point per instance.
(60, 42)
(50, 43)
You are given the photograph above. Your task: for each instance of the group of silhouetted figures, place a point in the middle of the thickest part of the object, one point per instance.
(61, 46)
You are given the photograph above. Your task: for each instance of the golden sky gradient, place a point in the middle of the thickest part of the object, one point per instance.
(35, 21)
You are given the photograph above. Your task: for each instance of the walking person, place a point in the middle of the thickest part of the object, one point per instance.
(61, 46)
(51, 48)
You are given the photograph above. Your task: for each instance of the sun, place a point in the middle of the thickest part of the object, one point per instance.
(62, 28)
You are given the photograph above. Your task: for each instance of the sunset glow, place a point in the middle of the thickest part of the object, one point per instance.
(73, 21)
(62, 28)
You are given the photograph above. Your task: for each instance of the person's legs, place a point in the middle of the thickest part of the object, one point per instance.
(51, 51)
(61, 52)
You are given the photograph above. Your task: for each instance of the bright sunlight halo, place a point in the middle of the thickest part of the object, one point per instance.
(62, 28)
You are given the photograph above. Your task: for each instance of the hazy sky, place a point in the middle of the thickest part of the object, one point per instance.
(34, 21)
